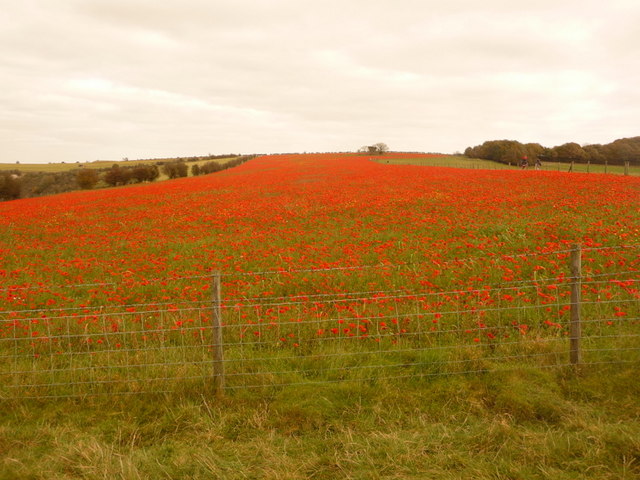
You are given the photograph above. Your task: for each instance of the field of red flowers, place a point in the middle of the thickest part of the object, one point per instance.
(312, 248)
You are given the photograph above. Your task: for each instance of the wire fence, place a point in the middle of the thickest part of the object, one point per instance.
(622, 168)
(291, 327)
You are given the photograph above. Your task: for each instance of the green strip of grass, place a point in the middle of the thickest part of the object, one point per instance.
(457, 161)
(524, 424)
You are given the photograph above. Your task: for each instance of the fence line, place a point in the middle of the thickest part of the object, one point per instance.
(204, 306)
(279, 340)
(359, 318)
(408, 335)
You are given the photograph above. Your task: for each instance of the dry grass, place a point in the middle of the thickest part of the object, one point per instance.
(526, 424)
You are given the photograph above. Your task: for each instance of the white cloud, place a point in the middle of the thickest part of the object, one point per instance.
(86, 79)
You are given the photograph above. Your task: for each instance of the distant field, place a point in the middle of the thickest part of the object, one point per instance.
(41, 167)
(458, 161)
(99, 164)
(454, 161)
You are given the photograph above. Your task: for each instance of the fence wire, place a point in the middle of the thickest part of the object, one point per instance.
(414, 328)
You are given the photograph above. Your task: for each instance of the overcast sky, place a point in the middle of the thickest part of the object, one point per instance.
(82, 80)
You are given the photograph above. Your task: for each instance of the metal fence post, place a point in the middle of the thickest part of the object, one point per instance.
(218, 353)
(575, 330)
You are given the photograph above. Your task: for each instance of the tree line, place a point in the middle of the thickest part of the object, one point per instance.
(617, 152)
(15, 184)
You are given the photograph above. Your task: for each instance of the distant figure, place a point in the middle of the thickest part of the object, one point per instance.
(538, 164)
(524, 163)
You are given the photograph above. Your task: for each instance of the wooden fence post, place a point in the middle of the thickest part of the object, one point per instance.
(575, 330)
(626, 168)
(218, 353)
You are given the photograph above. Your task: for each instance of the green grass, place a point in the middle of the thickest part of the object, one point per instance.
(458, 161)
(520, 424)
(454, 161)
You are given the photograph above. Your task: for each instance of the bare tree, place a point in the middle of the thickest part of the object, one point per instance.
(381, 148)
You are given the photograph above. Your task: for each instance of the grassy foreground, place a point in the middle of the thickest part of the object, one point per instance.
(521, 424)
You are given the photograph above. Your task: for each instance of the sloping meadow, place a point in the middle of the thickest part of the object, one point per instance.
(331, 262)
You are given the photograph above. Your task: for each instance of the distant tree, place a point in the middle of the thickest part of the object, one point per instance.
(534, 150)
(139, 173)
(183, 169)
(623, 150)
(10, 186)
(511, 151)
(152, 173)
(381, 148)
(569, 151)
(87, 178)
(376, 149)
(505, 151)
(211, 167)
(112, 176)
(144, 173)
(175, 169)
(117, 176)
(594, 153)
(36, 184)
(617, 152)
(195, 170)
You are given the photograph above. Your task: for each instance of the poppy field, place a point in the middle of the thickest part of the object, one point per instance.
(332, 267)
